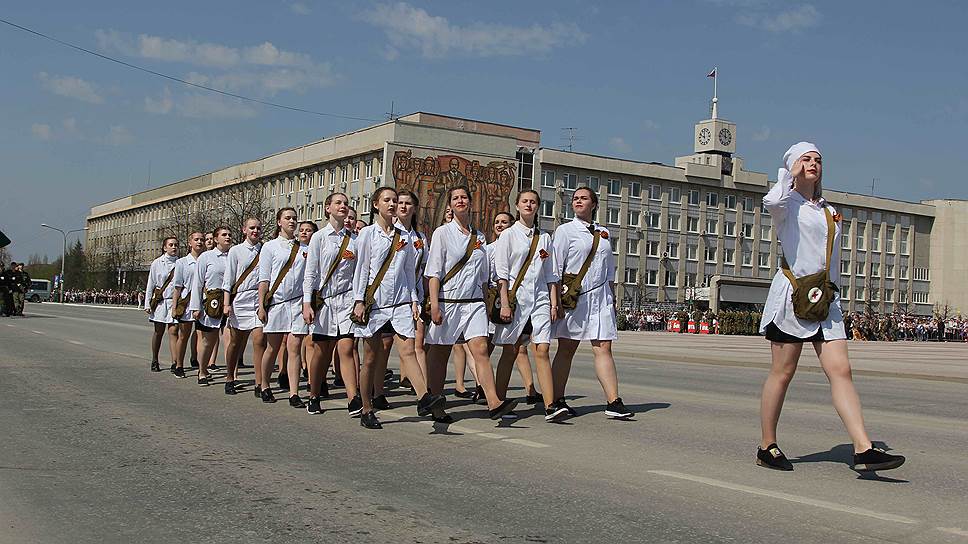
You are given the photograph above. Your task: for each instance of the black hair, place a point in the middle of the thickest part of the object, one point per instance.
(279, 216)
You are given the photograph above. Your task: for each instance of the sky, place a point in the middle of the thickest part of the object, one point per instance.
(881, 87)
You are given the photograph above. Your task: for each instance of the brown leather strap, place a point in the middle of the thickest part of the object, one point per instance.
(283, 272)
(245, 274)
(371, 288)
(171, 276)
(459, 265)
(527, 263)
(580, 277)
(831, 230)
(336, 261)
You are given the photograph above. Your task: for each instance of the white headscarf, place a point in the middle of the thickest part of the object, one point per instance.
(791, 156)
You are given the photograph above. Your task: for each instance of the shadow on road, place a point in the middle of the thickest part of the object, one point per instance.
(844, 454)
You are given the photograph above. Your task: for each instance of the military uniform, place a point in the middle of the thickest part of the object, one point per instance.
(6, 298)
(21, 284)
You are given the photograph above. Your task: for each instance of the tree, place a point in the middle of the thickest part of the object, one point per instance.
(240, 204)
(5, 258)
(75, 269)
(108, 266)
(231, 207)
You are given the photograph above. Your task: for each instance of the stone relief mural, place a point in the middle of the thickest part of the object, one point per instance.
(431, 176)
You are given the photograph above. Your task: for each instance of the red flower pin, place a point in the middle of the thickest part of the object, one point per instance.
(401, 244)
(838, 217)
(348, 255)
(305, 254)
(605, 234)
(418, 244)
(477, 244)
(543, 254)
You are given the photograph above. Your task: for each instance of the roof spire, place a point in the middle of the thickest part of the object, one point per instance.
(715, 104)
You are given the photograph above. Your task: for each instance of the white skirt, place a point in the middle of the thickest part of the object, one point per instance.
(210, 322)
(540, 317)
(461, 322)
(333, 319)
(162, 313)
(244, 319)
(286, 317)
(400, 317)
(592, 319)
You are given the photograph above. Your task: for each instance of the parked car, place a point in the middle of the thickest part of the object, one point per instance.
(40, 291)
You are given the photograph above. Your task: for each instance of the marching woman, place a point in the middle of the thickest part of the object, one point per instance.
(281, 266)
(308, 347)
(212, 367)
(407, 206)
(386, 304)
(458, 270)
(586, 307)
(350, 224)
(241, 292)
(207, 302)
(158, 304)
(184, 276)
(804, 306)
(524, 265)
(328, 301)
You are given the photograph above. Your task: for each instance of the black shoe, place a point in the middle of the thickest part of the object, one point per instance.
(617, 410)
(203, 381)
(571, 411)
(381, 403)
(229, 388)
(323, 390)
(405, 384)
(296, 402)
(556, 412)
(465, 394)
(773, 458)
(283, 381)
(258, 392)
(178, 372)
(313, 406)
(267, 396)
(155, 367)
(173, 367)
(443, 418)
(479, 395)
(428, 403)
(305, 375)
(388, 375)
(194, 363)
(355, 407)
(535, 399)
(240, 364)
(213, 368)
(876, 459)
(338, 382)
(503, 409)
(370, 421)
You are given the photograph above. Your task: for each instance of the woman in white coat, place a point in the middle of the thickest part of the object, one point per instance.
(593, 318)
(395, 307)
(801, 219)
(210, 275)
(407, 206)
(184, 278)
(331, 249)
(161, 275)
(281, 266)
(241, 304)
(457, 309)
(535, 297)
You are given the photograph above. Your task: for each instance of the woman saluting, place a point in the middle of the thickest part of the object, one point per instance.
(808, 228)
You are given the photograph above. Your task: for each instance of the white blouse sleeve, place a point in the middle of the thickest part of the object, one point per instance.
(152, 271)
(201, 267)
(502, 256)
(311, 274)
(436, 256)
(265, 264)
(560, 244)
(230, 269)
(361, 277)
(777, 200)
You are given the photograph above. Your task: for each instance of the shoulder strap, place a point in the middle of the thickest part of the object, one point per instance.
(527, 262)
(245, 273)
(336, 261)
(588, 260)
(831, 230)
(284, 271)
(171, 276)
(459, 265)
(371, 288)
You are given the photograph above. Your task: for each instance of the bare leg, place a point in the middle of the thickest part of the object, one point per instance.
(460, 363)
(294, 346)
(542, 363)
(408, 361)
(173, 340)
(524, 369)
(184, 337)
(193, 344)
(348, 367)
(156, 337)
(470, 357)
(209, 343)
(381, 367)
(259, 346)
(374, 352)
(485, 374)
(509, 353)
(561, 366)
(437, 356)
(233, 350)
(605, 368)
(784, 366)
(273, 343)
(836, 365)
(318, 364)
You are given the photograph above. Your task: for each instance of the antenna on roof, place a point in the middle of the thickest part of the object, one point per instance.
(571, 135)
(391, 115)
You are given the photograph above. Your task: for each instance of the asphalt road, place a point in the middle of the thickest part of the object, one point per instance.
(94, 448)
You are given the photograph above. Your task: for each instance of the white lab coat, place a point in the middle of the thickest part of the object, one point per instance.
(184, 276)
(533, 297)
(246, 302)
(157, 274)
(284, 313)
(333, 319)
(464, 320)
(801, 228)
(594, 316)
(209, 274)
(396, 291)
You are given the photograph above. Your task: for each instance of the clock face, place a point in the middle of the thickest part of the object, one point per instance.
(725, 137)
(704, 136)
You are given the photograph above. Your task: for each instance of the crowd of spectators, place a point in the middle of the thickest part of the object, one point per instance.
(104, 296)
(898, 326)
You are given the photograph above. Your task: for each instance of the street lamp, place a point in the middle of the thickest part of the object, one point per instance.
(63, 254)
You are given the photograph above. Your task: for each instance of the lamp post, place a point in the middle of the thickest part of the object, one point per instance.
(63, 254)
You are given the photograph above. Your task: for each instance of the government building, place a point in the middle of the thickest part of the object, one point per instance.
(689, 233)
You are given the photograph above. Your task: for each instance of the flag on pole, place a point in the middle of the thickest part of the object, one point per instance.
(712, 74)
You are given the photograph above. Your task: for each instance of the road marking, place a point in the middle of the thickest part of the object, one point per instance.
(38, 332)
(953, 531)
(786, 497)
(492, 435)
(76, 343)
(528, 443)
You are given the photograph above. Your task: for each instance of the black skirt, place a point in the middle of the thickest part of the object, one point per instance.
(774, 334)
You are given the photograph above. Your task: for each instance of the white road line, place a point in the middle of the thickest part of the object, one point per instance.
(76, 343)
(953, 531)
(786, 497)
(38, 332)
(523, 442)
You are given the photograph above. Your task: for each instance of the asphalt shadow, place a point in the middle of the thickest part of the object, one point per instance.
(844, 454)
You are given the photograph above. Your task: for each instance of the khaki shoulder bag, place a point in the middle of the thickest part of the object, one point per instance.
(571, 283)
(245, 274)
(493, 301)
(282, 275)
(454, 270)
(317, 300)
(813, 294)
(159, 293)
(369, 296)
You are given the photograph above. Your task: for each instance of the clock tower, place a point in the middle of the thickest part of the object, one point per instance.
(715, 135)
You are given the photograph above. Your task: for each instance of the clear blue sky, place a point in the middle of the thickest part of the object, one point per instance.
(882, 87)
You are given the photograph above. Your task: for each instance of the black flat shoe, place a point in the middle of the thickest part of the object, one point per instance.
(617, 410)
(194, 363)
(773, 458)
(405, 384)
(178, 372)
(381, 403)
(229, 388)
(313, 406)
(283, 381)
(258, 392)
(428, 403)
(173, 367)
(355, 406)
(369, 420)
(446, 419)
(479, 395)
(534, 399)
(203, 381)
(388, 375)
(155, 367)
(267, 396)
(571, 411)
(213, 368)
(504, 409)
(876, 459)
(338, 382)
(465, 394)
(555, 412)
(296, 402)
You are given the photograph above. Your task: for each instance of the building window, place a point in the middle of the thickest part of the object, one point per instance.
(342, 174)
(568, 212)
(875, 270)
(547, 178)
(653, 219)
(635, 189)
(571, 181)
(672, 250)
(920, 297)
(632, 247)
(845, 267)
(272, 188)
(692, 252)
(889, 239)
(859, 269)
(921, 274)
(652, 248)
(748, 230)
(614, 187)
(710, 254)
(592, 182)
(844, 292)
(693, 197)
(712, 199)
(673, 222)
(691, 279)
(356, 171)
(902, 296)
(728, 255)
(729, 228)
(369, 169)
(655, 191)
(845, 236)
(889, 271)
(651, 277)
(861, 232)
(712, 226)
(875, 241)
(765, 233)
(633, 218)
(859, 293)
(674, 196)
(692, 224)
(730, 201)
(302, 182)
(904, 241)
(631, 275)
(747, 257)
(888, 295)
(671, 278)
(764, 259)
(611, 216)
(748, 203)
(547, 208)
